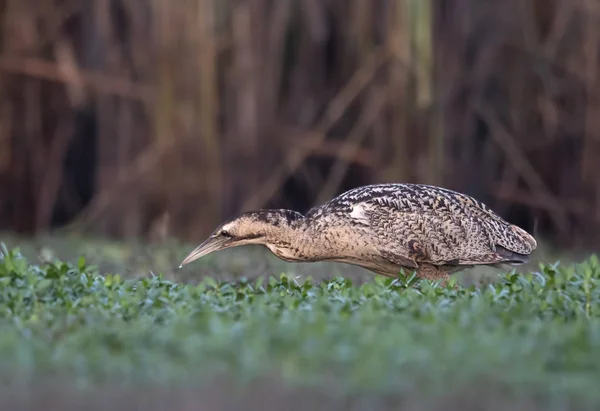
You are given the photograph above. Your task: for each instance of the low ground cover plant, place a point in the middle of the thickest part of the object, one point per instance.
(536, 333)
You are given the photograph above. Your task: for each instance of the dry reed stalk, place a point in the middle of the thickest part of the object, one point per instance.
(523, 166)
(144, 164)
(97, 19)
(165, 95)
(209, 106)
(345, 150)
(590, 56)
(362, 26)
(247, 77)
(98, 83)
(361, 21)
(274, 56)
(376, 99)
(6, 143)
(420, 28)
(399, 79)
(335, 110)
(422, 47)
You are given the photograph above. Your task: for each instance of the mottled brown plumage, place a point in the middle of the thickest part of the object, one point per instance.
(383, 228)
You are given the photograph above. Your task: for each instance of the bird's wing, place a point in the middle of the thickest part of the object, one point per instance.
(507, 237)
(396, 258)
(411, 234)
(437, 220)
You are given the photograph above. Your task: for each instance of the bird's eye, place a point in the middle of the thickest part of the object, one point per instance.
(225, 233)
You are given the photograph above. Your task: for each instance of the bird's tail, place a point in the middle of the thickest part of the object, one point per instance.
(524, 236)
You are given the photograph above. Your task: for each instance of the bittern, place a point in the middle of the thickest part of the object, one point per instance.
(383, 228)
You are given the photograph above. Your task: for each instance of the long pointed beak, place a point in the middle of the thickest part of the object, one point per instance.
(210, 245)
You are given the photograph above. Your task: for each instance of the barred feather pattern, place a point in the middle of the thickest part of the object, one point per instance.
(418, 223)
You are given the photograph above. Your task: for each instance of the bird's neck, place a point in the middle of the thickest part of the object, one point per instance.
(288, 241)
(298, 241)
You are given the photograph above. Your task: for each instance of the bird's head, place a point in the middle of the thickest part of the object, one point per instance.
(257, 227)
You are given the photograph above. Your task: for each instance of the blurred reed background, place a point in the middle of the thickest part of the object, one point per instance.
(131, 117)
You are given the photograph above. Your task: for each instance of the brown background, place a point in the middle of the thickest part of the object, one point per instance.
(120, 116)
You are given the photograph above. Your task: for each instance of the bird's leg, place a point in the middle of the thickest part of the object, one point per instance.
(432, 273)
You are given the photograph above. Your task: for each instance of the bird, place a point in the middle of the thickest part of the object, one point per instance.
(385, 228)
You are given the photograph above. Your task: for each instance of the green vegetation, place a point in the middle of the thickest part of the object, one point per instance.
(535, 335)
